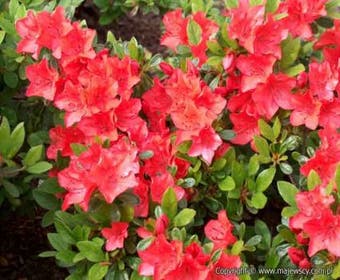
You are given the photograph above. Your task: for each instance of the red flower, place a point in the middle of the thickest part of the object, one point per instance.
(245, 127)
(61, 140)
(225, 262)
(111, 171)
(327, 157)
(324, 233)
(220, 231)
(322, 80)
(43, 80)
(244, 22)
(176, 32)
(175, 26)
(29, 30)
(115, 235)
(160, 258)
(299, 258)
(192, 265)
(255, 69)
(311, 204)
(274, 93)
(268, 38)
(306, 110)
(300, 14)
(205, 144)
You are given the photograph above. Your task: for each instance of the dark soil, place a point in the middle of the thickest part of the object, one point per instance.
(22, 240)
(145, 28)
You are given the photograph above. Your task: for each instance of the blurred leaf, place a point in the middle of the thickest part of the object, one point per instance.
(264, 179)
(227, 184)
(33, 155)
(272, 5)
(288, 192)
(39, 167)
(333, 9)
(16, 140)
(262, 229)
(313, 180)
(266, 130)
(145, 243)
(258, 200)
(290, 50)
(91, 250)
(262, 146)
(169, 203)
(97, 271)
(11, 189)
(194, 32)
(184, 217)
(254, 240)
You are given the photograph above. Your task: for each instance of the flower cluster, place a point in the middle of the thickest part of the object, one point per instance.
(188, 262)
(168, 148)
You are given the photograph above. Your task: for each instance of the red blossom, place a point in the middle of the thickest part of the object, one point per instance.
(255, 69)
(61, 140)
(220, 231)
(299, 258)
(43, 80)
(225, 261)
(205, 144)
(244, 21)
(115, 235)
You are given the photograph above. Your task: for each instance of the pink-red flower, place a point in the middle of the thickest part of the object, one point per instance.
(115, 235)
(220, 231)
(43, 80)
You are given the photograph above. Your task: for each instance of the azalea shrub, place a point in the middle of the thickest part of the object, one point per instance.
(24, 123)
(215, 162)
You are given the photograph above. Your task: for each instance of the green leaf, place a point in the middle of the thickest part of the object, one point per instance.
(238, 173)
(237, 247)
(262, 229)
(266, 130)
(39, 167)
(288, 192)
(294, 70)
(253, 165)
(66, 257)
(57, 241)
(184, 217)
(254, 240)
(2, 35)
(11, 79)
(332, 8)
(197, 5)
(11, 189)
(218, 164)
(45, 200)
(286, 168)
(17, 139)
(47, 254)
(169, 203)
(146, 155)
(272, 5)
(91, 250)
(227, 184)
(33, 155)
(145, 243)
(277, 127)
(262, 146)
(290, 50)
(133, 48)
(313, 180)
(289, 211)
(12, 7)
(97, 271)
(227, 134)
(258, 200)
(78, 149)
(230, 4)
(337, 177)
(5, 136)
(336, 271)
(264, 179)
(194, 32)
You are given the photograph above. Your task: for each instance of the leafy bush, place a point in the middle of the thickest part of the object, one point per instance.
(224, 156)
